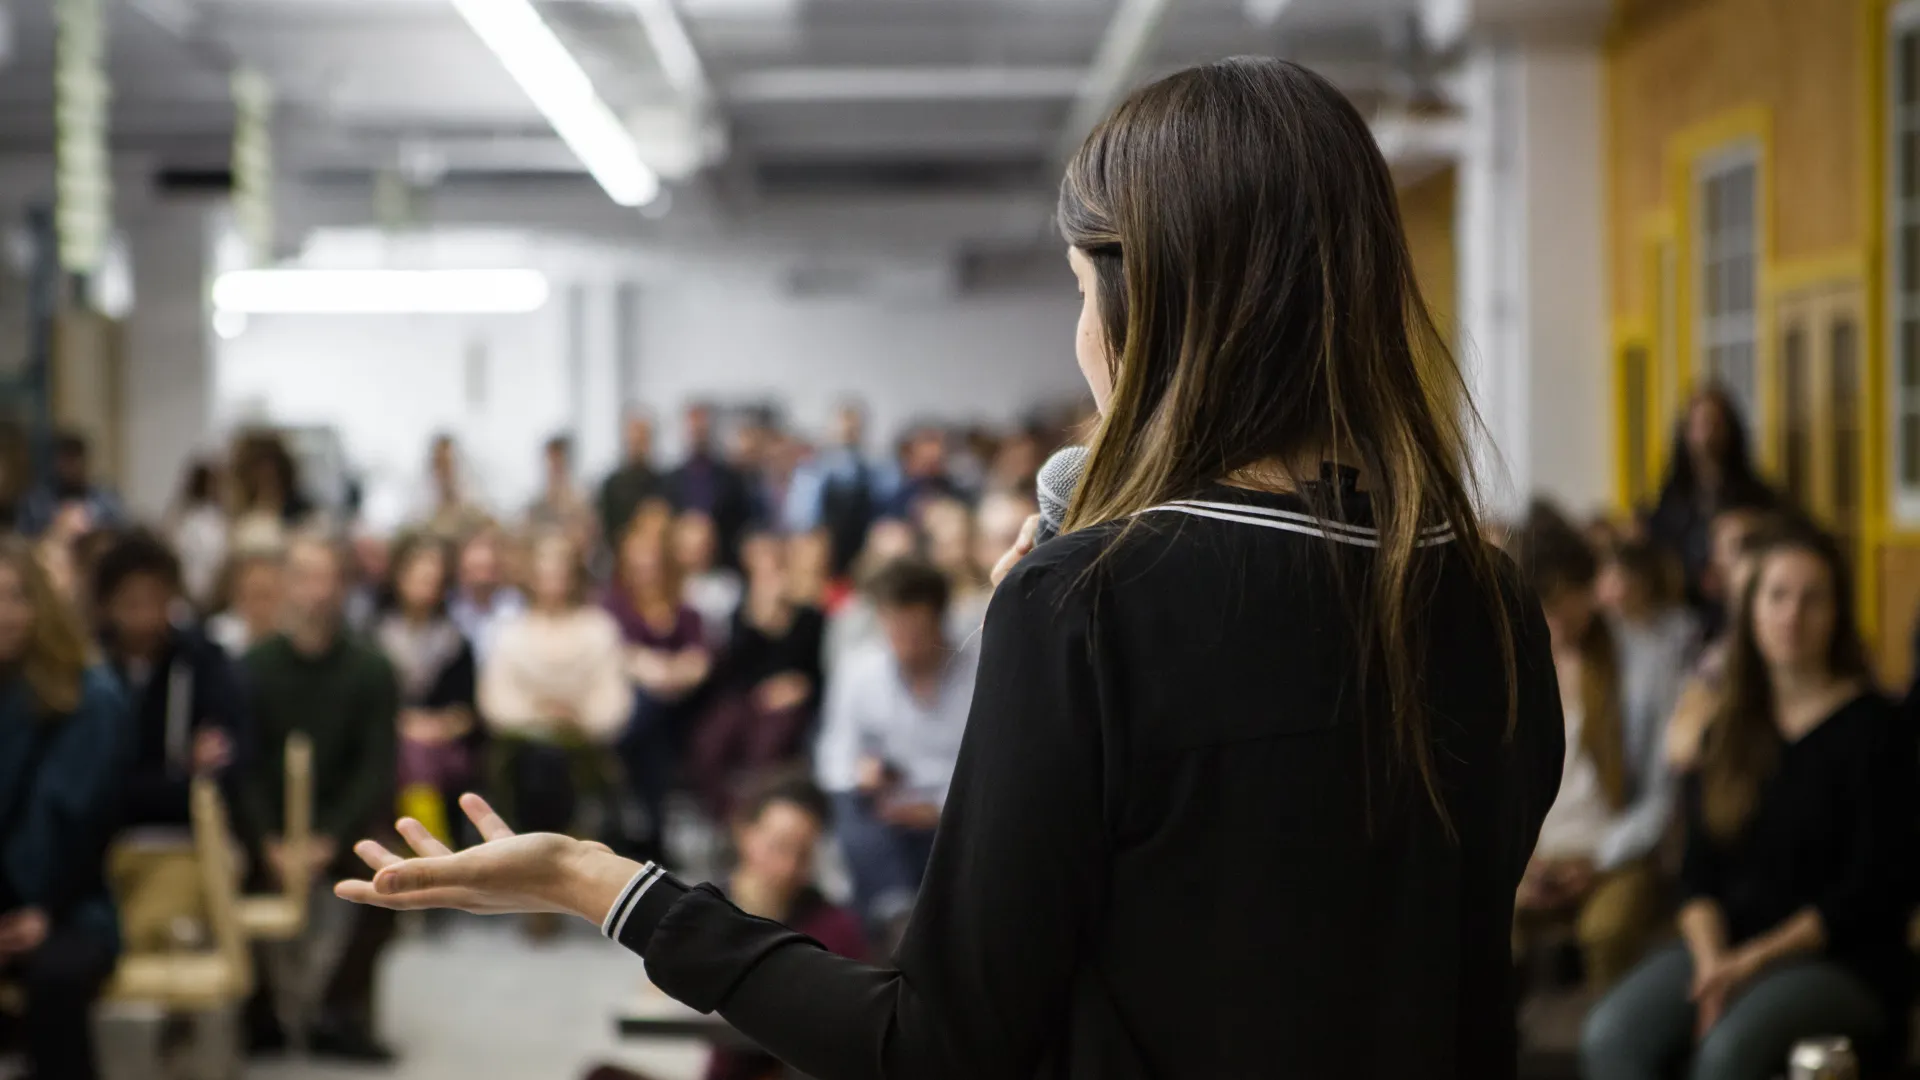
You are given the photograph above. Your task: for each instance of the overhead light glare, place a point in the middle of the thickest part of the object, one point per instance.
(380, 292)
(559, 87)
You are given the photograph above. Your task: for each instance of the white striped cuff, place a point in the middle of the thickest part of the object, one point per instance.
(629, 898)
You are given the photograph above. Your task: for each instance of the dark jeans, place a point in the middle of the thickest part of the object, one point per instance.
(650, 754)
(736, 740)
(1645, 1026)
(886, 861)
(61, 980)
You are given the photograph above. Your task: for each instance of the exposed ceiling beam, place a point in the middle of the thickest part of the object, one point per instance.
(1128, 39)
(679, 60)
(847, 84)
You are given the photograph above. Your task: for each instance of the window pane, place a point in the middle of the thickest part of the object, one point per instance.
(1909, 356)
(1909, 63)
(1742, 296)
(1843, 346)
(1909, 181)
(1909, 451)
(1910, 257)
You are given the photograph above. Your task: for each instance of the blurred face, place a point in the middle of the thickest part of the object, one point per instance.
(776, 849)
(640, 557)
(313, 583)
(559, 463)
(1090, 342)
(423, 581)
(1706, 427)
(914, 633)
(926, 454)
(16, 614)
(764, 558)
(949, 527)
(699, 426)
(1000, 519)
(694, 542)
(480, 565)
(849, 427)
(1569, 612)
(71, 469)
(551, 576)
(1793, 610)
(889, 540)
(371, 555)
(257, 595)
(441, 458)
(137, 612)
(637, 437)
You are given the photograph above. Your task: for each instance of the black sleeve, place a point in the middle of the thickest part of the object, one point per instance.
(1700, 865)
(1017, 878)
(1872, 887)
(1540, 728)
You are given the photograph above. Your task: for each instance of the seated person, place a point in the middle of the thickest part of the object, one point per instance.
(252, 591)
(187, 713)
(553, 690)
(765, 690)
(1738, 536)
(435, 667)
(316, 677)
(63, 740)
(1800, 845)
(1594, 862)
(890, 736)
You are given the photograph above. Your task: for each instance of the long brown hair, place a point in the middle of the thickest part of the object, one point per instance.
(54, 659)
(1743, 742)
(1260, 308)
(1554, 557)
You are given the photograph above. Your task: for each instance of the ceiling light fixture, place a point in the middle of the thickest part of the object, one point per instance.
(549, 74)
(380, 292)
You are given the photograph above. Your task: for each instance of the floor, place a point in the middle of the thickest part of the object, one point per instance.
(475, 999)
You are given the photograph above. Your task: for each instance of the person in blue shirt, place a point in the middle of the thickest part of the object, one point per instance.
(63, 732)
(841, 490)
(71, 485)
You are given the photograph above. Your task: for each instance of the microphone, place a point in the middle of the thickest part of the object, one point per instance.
(1054, 489)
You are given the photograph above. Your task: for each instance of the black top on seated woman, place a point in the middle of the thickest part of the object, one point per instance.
(1260, 745)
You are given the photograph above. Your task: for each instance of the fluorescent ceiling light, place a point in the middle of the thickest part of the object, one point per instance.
(380, 292)
(550, 75)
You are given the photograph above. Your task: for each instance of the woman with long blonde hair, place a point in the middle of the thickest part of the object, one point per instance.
(1259, 746)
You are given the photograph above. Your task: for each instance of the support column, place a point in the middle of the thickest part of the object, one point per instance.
(168, 413)
(1532, 250)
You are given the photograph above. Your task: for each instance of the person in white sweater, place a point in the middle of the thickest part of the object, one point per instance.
(553, 691)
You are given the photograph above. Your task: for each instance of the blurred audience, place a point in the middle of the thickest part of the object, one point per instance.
(448, 506)
(252, 593)
(706, 482)
(923, 473)
(187, 715)
(1738, 538)
(766, 686)
(891, 733)
(561, 504)
(197, 526)
(1800, 851)
(635, 481)
(71, 485)
(483, 598)
(269, 501)
(711, 590)
(438, 681)
(63, 747)
(1710, 469)
(317, 678)
(1593, 864)
(840, 490)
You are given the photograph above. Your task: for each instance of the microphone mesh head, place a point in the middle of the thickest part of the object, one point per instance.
(1054, 489)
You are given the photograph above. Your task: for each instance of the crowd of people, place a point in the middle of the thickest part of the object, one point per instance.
(782, 635)
(787, 635)
(1732, 852)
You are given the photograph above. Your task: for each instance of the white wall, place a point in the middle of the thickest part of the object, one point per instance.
(388, 383)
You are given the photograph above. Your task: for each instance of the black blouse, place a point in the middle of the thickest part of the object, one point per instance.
(754, 655)
(1834, 829)
(1176, 842)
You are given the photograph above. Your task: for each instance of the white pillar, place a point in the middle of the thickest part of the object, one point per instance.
(168, 410)
(1531, 235)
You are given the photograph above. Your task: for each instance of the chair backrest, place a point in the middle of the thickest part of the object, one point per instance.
(219, 876)
(298, 819)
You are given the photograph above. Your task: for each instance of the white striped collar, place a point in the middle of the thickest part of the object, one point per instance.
(1293, 522)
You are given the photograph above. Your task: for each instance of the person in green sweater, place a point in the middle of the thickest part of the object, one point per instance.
(316, 677)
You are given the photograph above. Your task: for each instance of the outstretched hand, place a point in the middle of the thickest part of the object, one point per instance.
(504, 874)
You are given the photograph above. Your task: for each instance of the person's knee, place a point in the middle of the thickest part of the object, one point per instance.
(1606, 1043)
(1735, 1052)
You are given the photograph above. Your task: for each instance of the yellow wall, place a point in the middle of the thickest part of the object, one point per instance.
(1427, 209)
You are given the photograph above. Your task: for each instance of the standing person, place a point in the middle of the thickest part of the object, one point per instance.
(72, 484)
(448, 507)
(269, 500)
(315, 677)
(1593, 864)
(1710, 469)
(712, 591)
(840, 490)
(667, 660)
(198, 527)
(1800, 848)
(63, 748)
(253, 590)
(890, 739)
(707, 483)
(765, 687)
(634, 482)
(554, 694)
(482, 599)
(560, 504)
(438, 683)
(187, 716)
(923, 473)
(1259, 747)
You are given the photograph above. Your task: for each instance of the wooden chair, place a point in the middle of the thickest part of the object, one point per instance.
(210, 985)
(282, 916)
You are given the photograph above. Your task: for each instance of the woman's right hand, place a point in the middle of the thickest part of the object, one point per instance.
(1018, 551)
(507, 873)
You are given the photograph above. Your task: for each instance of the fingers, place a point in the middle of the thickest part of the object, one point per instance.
(422, 841)
(363, 892)
(491, 825)
(376, 856)
(598, 846)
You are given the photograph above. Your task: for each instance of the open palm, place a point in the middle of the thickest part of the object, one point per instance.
(504, 874)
